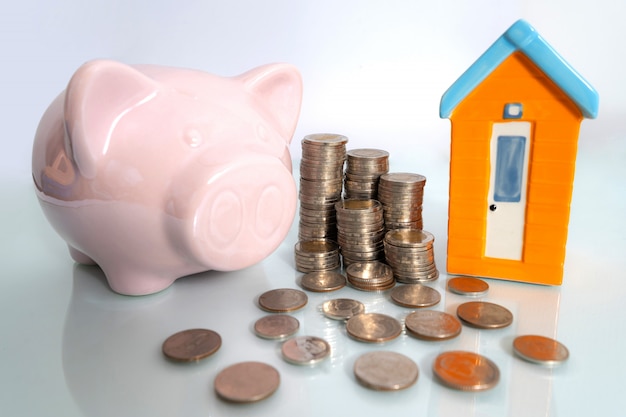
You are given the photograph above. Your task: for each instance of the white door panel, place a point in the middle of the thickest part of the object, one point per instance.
(508, 183)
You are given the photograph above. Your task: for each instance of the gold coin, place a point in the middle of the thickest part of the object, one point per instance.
(432, 325)
(323, 281)
(305, 350)
(474, 287)
(409, 238)
(247, 382)
(191, 345)
(415, 296)
(540, 349)
(373, 327)
(342, 308)
(466, 371)
(484, 315)
(276, 326)
(385, 371)
(282, 300)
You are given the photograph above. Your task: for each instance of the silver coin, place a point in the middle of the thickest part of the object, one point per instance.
(323, 281)
(415, 296)
(305, 350)
(276, 326)
(373, 327)
(342, 308)
(484, 315)
(432, 325)
(385, 371)
(326, 139)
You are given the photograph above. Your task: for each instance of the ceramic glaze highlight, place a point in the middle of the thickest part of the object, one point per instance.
(154, 173)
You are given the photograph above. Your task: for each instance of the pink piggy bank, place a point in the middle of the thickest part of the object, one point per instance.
(154, 173)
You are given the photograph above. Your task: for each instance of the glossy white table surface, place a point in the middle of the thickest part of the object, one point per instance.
(70, 346)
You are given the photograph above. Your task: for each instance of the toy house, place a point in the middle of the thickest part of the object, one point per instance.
(515, 116)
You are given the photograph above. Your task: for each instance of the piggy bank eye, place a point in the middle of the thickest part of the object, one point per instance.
(193, 137)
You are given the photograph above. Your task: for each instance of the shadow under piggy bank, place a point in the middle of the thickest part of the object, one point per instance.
(112, 358)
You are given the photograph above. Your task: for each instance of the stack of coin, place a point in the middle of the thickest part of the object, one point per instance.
(401, 195)
(410, 254)
(363, 169)
(317, 255)
(321, 183)
(360, 230)
(370, 276)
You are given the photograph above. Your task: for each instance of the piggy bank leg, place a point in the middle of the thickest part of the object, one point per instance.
(80, 257)
(127, 280)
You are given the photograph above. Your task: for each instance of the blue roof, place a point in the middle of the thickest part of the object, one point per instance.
(523, 37)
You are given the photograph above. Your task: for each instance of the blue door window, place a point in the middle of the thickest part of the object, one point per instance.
(509, 169)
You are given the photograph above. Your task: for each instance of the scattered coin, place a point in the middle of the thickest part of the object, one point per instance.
(466, 371)
(540, 349)
(282, 300)
(385, 371)
(432, 325)
(276, 326)
(484, 315)
(373, 327)
(415, 296)
(247, 382)
(305, 350)
(323, 281)
(474, 287)
(191, 345)
(370, 276)
(342, 308)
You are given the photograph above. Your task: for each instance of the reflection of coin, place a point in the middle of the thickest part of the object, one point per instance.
(415, 296)
(342, 308)
(540, 349)
(305, 350)
(471, 286)
(373, 327)
(191, 345)
(247, 382)
(385, 371)
(484, 315)
(282, 300)
(466, 371)
(276, 326)
(432, 325)
(323, 281)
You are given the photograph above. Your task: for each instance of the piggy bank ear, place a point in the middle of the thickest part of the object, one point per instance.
(279, 88)
(98, 95)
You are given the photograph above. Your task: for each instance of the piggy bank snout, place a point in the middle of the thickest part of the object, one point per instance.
(240, 214)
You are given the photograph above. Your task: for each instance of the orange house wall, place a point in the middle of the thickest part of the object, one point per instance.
(554, 135)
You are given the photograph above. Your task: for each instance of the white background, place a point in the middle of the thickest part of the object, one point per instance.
(374, 71)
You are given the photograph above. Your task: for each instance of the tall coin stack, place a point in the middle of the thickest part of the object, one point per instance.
(321, 183)
(360, 230)
(401, 195)
(410, 254)
(363, 169)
